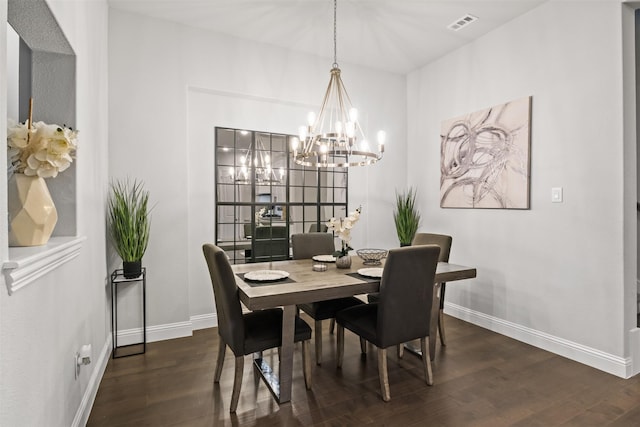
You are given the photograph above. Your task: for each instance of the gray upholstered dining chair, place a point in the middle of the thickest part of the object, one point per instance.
(306, 245)
(248, 333)
(403, 311)
(444, 242)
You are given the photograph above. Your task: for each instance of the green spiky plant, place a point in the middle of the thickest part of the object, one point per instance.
(129, 219)
(406, 216)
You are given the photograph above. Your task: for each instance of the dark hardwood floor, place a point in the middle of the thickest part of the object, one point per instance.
(480, 379)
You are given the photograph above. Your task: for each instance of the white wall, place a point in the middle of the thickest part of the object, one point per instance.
(170, 86)
(45, 323)
(553, 275)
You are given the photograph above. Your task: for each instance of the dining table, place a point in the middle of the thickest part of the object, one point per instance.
(304, 285)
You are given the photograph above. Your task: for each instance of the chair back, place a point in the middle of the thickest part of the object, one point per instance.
(225, 291)
(247, 230)
(406, 294)
(313, 228)
(307, 245)
(441, 240)
(270, 243)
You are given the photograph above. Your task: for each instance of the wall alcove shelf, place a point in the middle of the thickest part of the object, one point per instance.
(26, 264)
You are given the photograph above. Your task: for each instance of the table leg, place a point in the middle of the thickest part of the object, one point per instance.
(280, 386)
(286, 357)
(433, 329)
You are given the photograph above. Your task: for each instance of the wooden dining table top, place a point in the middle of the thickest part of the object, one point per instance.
(305, 285)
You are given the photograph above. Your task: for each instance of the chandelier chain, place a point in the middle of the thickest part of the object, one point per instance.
(335, 33)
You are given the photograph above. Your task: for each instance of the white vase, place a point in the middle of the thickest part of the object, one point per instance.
(32, 213)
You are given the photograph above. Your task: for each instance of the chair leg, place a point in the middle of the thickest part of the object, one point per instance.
(221, 350)
(400, 351)
(306, 364)
(318, 336)
(382, 373)
(237, 383)
(332, 325)
(363, 346)
(443, 340)
(340, 345)
(426, 360)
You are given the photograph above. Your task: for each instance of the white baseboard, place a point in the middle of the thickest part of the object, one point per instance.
(168, 331)
(619, 366)
(86, 404)
(204, 321)
(155, 333)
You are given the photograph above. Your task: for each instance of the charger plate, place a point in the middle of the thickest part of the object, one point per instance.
(266, 275)
(324, 258)
(375, 272)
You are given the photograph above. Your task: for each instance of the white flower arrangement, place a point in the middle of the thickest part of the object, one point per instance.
(342, 227)
(259, 216)
(44, 150)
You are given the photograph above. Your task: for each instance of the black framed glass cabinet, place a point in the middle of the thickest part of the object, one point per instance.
(263, 197)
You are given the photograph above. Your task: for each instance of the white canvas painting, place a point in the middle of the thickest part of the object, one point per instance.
(484, 158)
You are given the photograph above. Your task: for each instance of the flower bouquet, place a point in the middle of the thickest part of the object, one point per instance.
(43, 150)
(342, 227)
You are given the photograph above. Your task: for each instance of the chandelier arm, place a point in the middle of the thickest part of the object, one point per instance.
(319, 123)
(357, 122)
(342, 108)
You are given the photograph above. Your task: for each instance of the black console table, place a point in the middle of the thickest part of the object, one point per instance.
(117, 278)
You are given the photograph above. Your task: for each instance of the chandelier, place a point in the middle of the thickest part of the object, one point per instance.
(256, 160)
(334, 137)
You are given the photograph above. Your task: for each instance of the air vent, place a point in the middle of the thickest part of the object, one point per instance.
(462, 22)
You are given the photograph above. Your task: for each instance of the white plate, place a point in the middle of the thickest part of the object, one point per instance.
(375, 272)
(266, 275)
(324, 258)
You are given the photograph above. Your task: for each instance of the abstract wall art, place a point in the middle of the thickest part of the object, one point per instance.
(484, 158)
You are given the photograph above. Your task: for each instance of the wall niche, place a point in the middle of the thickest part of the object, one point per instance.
(42, 66)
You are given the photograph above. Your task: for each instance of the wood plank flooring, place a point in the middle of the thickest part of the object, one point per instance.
(480, 379)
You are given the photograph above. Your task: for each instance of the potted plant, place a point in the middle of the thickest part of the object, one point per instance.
(129, 223)
(406, 216)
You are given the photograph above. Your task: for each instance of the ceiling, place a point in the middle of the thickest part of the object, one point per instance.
(392, 35)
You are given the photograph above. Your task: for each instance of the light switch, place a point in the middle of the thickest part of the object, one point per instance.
(556, 195)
